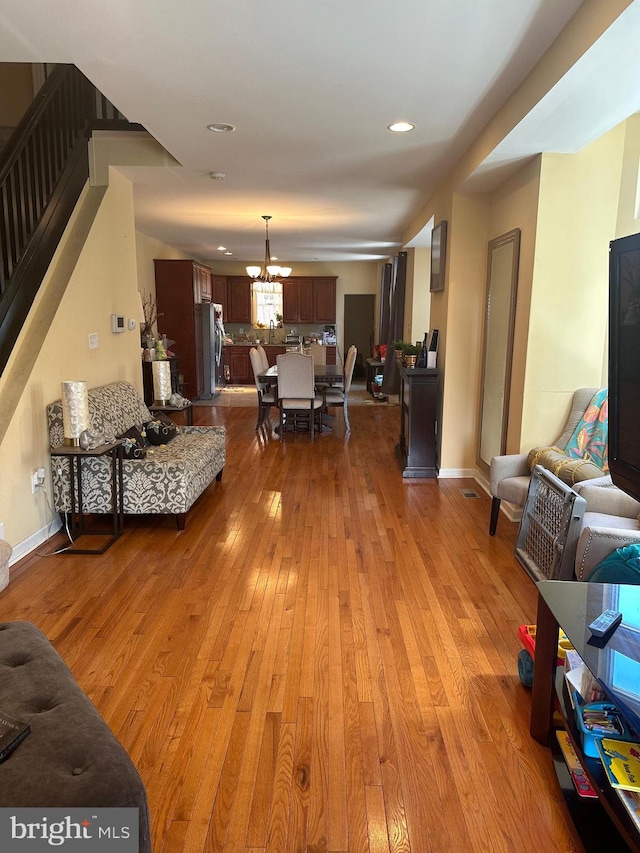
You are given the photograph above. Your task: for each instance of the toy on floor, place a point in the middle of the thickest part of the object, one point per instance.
(527, 635)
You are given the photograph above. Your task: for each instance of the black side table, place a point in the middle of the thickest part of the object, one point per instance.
(76, 455)
(168, 409)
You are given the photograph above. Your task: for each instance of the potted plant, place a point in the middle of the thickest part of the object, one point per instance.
(398, 347)
(410, 354)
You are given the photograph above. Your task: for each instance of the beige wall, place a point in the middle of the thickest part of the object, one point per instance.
(577, 212)
(462, 327)
(103, 282)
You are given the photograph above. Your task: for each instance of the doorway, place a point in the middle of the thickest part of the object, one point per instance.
(359, 320)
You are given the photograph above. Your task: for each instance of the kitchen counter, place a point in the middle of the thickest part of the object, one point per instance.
(236, 358)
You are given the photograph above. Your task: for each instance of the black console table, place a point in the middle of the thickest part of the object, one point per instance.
(572, 606)
(419, 417)
(147, 378)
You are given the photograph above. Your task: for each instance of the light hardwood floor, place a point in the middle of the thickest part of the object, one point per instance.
(324, 660)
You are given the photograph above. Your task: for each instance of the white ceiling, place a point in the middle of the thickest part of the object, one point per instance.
(311, 86)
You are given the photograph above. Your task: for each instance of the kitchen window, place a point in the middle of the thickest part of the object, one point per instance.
(267, 302)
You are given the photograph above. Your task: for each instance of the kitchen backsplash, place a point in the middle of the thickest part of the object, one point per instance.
(242, 332)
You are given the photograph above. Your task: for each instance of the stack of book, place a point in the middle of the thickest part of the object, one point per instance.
(621, 762)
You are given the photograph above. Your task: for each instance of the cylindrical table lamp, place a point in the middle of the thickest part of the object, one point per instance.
(161, 382)
(75, 411)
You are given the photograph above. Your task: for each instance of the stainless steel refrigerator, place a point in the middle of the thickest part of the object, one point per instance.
(212, 343)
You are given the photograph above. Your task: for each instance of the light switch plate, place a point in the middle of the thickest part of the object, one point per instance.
(93, 340)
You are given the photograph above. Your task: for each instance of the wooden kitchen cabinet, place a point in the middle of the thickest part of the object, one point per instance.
(297, 300)
(324, 299)
(309, 300)
(180, 288)
(219, 292)
(239, 363)
(238, 300)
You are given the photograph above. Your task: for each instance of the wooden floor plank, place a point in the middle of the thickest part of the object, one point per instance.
(323, 660)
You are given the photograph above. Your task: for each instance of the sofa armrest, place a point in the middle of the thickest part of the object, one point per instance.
(609, 500)
(596, 543)
(503, 467)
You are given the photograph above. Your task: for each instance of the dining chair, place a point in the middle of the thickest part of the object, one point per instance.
(266, 397)
(333, 396)
(263, 358)
(319, 355)
(297, 396)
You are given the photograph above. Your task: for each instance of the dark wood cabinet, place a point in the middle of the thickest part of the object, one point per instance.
(309, 300)
(180, 286)
(239, 363)
(273, 352)
(219, 292)
(324, 300)
(417, 449)
(238, 307)
(290, 301)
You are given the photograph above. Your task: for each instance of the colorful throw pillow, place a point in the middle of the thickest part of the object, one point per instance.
(161, 430)
(133, 444)
(590, 437)
(570, 471)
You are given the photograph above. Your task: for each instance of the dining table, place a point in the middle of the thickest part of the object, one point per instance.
(325, 374)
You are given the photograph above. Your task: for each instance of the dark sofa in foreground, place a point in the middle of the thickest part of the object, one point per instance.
(71, 758)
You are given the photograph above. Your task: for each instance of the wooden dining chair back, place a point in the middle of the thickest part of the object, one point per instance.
(266, 397)
(297, 398)
(333, 396)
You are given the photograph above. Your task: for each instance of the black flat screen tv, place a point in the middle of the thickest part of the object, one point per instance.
(624, 364)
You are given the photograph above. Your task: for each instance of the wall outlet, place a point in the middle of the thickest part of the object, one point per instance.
(93, 340)
(1, 529)
(37, 480)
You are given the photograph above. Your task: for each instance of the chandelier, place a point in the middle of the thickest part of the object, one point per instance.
(268, 272)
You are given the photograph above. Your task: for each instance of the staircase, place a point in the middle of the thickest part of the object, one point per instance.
(43, 168)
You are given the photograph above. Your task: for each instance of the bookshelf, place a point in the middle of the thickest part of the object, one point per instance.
(571, 606)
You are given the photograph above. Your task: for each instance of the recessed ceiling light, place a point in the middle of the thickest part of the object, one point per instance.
(220, 127)
(228, 253)
(222, 248)
(401, 126)
(217, 176)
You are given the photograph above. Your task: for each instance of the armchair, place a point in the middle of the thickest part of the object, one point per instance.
(510, 475)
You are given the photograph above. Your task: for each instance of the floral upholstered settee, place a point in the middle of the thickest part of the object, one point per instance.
(167, 481)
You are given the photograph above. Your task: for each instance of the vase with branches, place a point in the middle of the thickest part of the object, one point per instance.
(150, 311)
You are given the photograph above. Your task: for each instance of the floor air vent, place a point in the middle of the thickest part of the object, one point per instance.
(468, 493)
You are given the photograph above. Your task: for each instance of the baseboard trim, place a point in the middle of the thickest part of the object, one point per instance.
(456, 473)
(24, 548)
